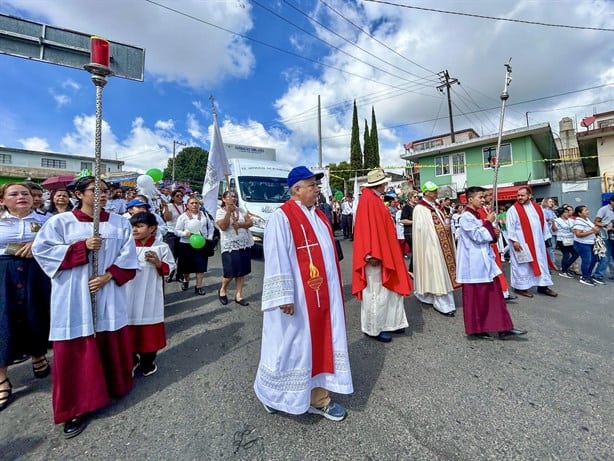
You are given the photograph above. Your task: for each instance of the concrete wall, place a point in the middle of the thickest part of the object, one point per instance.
(590, 198)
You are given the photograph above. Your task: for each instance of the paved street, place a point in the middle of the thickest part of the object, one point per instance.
(431, 394)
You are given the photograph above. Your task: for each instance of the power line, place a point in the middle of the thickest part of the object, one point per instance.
(378, 41)
(352, 43)
(260, 42)
(522, 21)
(484, 110)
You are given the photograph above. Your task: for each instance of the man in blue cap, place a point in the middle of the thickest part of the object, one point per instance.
(434, 254)
(304, 352)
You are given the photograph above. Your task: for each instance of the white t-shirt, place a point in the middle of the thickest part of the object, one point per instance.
(584, 225)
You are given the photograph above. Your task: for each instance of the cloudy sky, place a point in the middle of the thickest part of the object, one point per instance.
(266, 61)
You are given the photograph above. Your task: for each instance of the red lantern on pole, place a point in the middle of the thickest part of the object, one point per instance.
(100, 51)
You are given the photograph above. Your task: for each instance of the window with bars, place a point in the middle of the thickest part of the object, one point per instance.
(5, 158)
(450, 164)
(53, 163)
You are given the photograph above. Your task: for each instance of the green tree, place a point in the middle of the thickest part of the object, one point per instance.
(355, 152)
(190, 165)
(374, 141)
(339, 174)
(368, 151)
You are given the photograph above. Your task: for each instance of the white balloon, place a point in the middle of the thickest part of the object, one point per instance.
(145, 182)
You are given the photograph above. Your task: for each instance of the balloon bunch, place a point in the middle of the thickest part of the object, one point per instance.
(146, 183)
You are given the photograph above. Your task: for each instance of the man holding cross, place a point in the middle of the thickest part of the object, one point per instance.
(304, 352)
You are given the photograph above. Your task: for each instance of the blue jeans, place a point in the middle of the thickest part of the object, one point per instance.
(602, 265)
(589, 259)
(569, 256)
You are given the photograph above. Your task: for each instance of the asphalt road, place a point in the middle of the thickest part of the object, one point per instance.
(430, 394)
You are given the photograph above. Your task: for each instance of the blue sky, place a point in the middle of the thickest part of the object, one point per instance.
(267, 76)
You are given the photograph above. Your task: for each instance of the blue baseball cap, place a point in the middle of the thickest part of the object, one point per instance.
(137, 202)
(302, 172)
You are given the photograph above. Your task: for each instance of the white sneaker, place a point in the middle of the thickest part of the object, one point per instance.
(565, 274)
(587, 282)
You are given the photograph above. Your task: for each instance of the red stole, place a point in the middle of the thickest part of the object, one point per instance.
(527, 232)
(311, 265)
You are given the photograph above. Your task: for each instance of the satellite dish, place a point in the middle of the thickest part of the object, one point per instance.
(587, 121)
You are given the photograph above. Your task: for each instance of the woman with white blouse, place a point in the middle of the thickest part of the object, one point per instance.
(236, 242)
(171, 212)
(584, 241)
(24, 288)
(565, 241)
(193, 260)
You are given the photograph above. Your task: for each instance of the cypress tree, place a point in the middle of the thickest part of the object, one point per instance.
(355, 152)
(368, 151)
(374, 140)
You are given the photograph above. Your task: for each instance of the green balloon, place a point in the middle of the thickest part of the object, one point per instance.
(339, 195)
(154, 174)
(197, 241)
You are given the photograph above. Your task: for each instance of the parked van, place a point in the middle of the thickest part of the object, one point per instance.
(260, 182)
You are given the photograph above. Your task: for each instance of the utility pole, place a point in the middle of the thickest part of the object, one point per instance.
(447, 82)
(319, 134)
(175, 143)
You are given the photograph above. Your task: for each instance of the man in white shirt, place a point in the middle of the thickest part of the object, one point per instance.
(605, 219)
(347, 216)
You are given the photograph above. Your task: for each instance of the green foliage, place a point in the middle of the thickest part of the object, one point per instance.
(355, 151)
(191, 165)
(339, 173)
(375, 160)
(368, 151)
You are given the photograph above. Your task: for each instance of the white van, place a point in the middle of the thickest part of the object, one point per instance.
(261, 187)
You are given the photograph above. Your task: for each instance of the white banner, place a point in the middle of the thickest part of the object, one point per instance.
(579, 186)
(217, 169)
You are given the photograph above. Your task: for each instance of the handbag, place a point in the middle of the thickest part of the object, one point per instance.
(211, 244)
(567, 242)
(599, 247)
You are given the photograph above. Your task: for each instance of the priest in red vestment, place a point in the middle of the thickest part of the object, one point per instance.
(379, 277)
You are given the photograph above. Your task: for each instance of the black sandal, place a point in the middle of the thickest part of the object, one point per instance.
(41, 368)
(5, 400)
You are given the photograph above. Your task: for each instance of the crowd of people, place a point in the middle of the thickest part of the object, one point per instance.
(106, 323)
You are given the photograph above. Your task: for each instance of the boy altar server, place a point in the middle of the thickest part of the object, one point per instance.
(145, 293)
(484, 308)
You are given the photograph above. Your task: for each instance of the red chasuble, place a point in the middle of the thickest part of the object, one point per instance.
(313, 275)
(375, 235)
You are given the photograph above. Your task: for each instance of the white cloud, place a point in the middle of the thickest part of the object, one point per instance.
(71, 84)
(194, 127)
(35, 143)
(165, 125)
(60, 99)
(164, 34)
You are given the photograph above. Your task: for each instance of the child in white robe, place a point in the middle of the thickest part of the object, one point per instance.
(145, 293)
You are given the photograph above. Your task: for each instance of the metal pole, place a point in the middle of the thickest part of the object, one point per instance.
(319, 134)
(99, 81)
(504, 97)
(175, 143)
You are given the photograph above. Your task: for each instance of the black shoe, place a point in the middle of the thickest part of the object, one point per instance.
(185, 286)
(170, 277)
(510, 297)
(511, 334)
(200, 291)
(383, 337)
(447, 314)
(74, 427)
(241, 302)
(485, 336)
(41, 368)
(223, 299)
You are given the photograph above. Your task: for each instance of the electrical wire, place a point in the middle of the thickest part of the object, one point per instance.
(378, 41)
(480, 16)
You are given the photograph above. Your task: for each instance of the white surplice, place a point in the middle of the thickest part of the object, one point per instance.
(432, 284)
(145, 293)
(71, 307)
(522, 276)
(381, 309)
(283, 380)
(475, 259)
